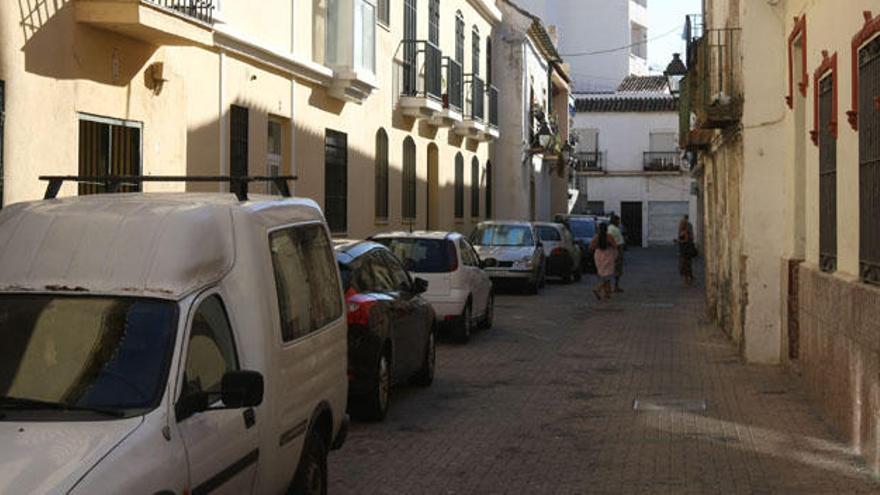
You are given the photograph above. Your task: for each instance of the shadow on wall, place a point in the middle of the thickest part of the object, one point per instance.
(55, 45)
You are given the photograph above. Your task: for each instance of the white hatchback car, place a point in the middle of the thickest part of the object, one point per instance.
(458, 288)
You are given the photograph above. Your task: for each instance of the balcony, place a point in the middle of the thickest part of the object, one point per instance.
(453, 95)
(158, 22)
(590, 162)
(714, 73)
(492, 98)
(473, 125)
(421, 95)
(662, 161)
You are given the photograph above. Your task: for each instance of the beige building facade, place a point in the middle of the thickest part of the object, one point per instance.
(383, 109)
(789, 153)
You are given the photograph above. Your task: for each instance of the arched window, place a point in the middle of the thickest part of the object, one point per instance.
(459, 38)
(488, 189)
(381, 189)
(408, 191)
(459, 186)
(434, 21)
(475, 51)
(475, 188)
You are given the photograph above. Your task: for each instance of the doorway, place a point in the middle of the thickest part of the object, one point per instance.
(432, 220)
(631, 218)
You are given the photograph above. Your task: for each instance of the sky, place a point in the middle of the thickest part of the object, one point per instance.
(664, 16)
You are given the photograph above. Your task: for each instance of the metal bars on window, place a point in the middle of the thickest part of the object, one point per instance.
(408, 189)
(488, 189)
(459, 38)
(434, 21)
(869, 162)
(422, 67)
(381, 175)
(827, 178)
(459, 186)
(108, 147)
(475, 187)
(336, 180)
(2, 134)
(454, 84)
(201, 10)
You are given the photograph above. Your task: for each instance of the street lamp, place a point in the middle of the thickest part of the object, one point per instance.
(674, 73)
(544, 134)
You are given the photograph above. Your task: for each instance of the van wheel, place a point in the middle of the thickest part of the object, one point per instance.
(425, 376)
(311, 477)
(375, 405)
(489, 313)
(463, 329)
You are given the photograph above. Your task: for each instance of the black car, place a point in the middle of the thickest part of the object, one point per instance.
(391, 329)
(583, 228)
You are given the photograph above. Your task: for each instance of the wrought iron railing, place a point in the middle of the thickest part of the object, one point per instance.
(714, 77)
(475, 89)
(201, 10)
(590, 161)
(422, 66)
(492, 94)
(662, 161)
(454, 97)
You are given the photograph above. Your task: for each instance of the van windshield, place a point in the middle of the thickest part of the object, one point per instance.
(83, 357)
(502, 235)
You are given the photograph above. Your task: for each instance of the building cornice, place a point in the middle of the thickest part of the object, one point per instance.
(488, 10)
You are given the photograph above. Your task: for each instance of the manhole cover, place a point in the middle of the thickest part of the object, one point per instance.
(656, 405)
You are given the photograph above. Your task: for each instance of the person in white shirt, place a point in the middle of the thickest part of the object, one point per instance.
(614, 231)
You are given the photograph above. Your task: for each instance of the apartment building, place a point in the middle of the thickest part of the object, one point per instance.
(384, 109)
(629, 161)
(781, 103)
(533, 150)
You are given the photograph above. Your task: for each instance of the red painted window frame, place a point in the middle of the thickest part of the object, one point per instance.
(870, 28)
(799, 31)
(828, 64)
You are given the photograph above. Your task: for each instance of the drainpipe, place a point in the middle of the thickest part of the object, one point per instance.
(293, 167)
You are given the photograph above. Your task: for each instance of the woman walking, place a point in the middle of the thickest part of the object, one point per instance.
(686, 251)
(604, 250)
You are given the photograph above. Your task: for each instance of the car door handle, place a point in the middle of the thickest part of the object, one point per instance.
(250, 418)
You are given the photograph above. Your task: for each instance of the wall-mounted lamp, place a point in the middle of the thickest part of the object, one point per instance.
(156, 76)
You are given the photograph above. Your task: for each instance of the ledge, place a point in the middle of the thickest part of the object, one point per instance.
(469, 128)
(446, 118)
(487, 9)
(350, 85)
(420, 107)
(145, 21)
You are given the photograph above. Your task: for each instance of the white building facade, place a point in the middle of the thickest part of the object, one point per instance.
(617, 28)
(629, 162)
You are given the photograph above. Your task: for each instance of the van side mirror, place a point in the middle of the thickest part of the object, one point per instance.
(419, 286)
(241, 388)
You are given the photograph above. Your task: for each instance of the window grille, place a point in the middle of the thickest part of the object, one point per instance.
(869, 161)
(827, 178)
(475, 188)
(488, 189)
(409, 180)
(459, 186)
(108, 147)
(381, 174)
(336, 180)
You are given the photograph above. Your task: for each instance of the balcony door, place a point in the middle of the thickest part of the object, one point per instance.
(410, 20)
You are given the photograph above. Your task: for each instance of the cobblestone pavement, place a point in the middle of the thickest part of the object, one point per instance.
(544, 403)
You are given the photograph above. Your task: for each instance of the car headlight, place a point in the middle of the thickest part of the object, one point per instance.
(524, 264)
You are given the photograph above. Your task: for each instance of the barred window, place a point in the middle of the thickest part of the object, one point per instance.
(108, 147)
(409, 180)
(382, 12)
(459, 186)
(475, 188)
(381, 188)
(488, 189)
(827, 178)
(336, 180)
(869, 161)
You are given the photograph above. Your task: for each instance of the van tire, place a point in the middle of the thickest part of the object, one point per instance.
(374, 405)
(425, 376)
(311, 477)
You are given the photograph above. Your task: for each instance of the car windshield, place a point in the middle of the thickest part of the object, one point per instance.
(547, 233)
(502, 235)
(99, 354)
(422, 255)
(582, 229)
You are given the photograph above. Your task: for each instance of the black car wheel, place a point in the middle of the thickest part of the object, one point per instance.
(425, 376)
(489, 314)
(311, 477)
(463, 329)
(375, 405)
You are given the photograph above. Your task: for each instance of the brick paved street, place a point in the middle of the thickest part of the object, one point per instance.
(543, 403)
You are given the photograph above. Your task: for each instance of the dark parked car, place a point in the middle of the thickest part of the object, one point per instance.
(391, 329)
(583, 228)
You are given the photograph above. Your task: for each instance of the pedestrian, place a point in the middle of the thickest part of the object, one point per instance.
(687, 250)
(614, 231)
(604, 249)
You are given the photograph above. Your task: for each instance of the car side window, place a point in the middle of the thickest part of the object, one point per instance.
(211, 350)
(399, 276)
(305, 280)
(383, 281)
(467, 256)
(546, 233)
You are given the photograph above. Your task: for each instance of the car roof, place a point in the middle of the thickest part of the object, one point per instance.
(555, 225)
(418, 234)
(346, 253)
(520, 223)
(161, 245)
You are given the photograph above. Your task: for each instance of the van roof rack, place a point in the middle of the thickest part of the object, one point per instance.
(237, 184)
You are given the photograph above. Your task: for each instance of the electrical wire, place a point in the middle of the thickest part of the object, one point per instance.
(626, 47)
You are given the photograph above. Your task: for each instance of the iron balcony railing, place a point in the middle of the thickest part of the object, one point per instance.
(492, 94)
(201, 10)
(454, 97)
(590, 161)
(714, 77)
(662, 161)
(475, 89)
(422, 66)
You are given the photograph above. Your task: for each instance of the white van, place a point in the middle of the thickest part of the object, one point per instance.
(169, 343)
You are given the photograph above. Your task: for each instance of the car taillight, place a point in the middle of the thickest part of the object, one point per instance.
(557, 252)
(358, 308)
(452, 255)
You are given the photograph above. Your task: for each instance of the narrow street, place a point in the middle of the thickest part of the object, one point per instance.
(544, 403)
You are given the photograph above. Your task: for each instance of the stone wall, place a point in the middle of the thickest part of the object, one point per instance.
(839, 354)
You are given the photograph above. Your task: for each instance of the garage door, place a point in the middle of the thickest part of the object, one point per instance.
(663, 218)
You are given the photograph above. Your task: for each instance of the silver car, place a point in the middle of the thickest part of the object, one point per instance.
(511, 252)
(562, 253)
